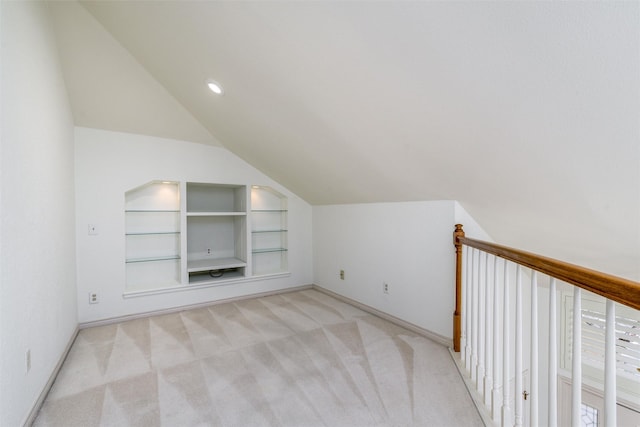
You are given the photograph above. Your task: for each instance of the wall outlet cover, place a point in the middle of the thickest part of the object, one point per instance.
(92, 229)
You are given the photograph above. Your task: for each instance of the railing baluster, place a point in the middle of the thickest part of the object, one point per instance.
(468, 315)
(534, 350)
(481, 326)
(496, 396)
(553, 356)
(487, 335)
(610, 367)
(576, 358)
(463, 313)
(506, 404)
(518, 357)
(474, 322)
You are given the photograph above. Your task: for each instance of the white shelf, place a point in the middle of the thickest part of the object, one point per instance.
(214, 264)
(216, 213)
(153, 259)
(202, 278)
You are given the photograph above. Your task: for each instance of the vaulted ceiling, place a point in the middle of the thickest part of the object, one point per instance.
(527, 113)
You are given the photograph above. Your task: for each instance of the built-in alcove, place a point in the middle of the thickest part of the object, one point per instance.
(152, 236)
(209, 237)
(216, 232)
(269, 230)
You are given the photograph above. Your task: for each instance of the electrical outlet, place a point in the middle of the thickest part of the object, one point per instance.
(28, 360)
(93, 298)
(92, 229)
(385, 287)
(341, 274)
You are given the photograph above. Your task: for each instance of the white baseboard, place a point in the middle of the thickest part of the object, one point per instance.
(43, 394)
(483, 411)
(447, 342)
(189, 307)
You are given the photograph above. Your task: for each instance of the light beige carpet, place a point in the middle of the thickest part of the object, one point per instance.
(297, 359)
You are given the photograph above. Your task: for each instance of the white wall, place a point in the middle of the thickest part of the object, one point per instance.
(471, 228)
(110, 163)
(408, 245)
(37, 285)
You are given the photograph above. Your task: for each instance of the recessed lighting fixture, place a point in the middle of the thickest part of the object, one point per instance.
(215, 87)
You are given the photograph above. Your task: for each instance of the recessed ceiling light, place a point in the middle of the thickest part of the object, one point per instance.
(215, 87)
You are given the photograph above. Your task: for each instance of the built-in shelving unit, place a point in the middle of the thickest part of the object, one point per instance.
(269, 231)
(206, 237)
(216, 232)
(152, 235)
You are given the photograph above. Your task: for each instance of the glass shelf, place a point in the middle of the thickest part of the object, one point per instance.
(151, 233)
(151, 210)
(152, 236)
(269, 231)
(153, 259)
(266, 250)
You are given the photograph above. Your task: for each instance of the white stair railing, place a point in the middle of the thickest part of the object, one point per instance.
(534, 351)
(576, 358)
(498, 319)
(496, 395)
(610, 366)
(552, 419)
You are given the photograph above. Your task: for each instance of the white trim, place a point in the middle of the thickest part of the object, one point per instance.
(442, 340)
(135, 316)
(31, 417)
(483, 411)
(190, 287)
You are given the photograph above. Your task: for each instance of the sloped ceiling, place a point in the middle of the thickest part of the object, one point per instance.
(525, 112)
(109, 89)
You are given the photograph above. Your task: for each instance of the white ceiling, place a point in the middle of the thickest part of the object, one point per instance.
(528, 113)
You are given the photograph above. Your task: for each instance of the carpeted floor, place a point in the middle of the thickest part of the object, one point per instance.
(297, 359)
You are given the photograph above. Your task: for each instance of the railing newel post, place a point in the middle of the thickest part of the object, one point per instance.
(457, 234)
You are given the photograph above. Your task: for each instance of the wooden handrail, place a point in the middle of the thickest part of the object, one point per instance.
(617, 289)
